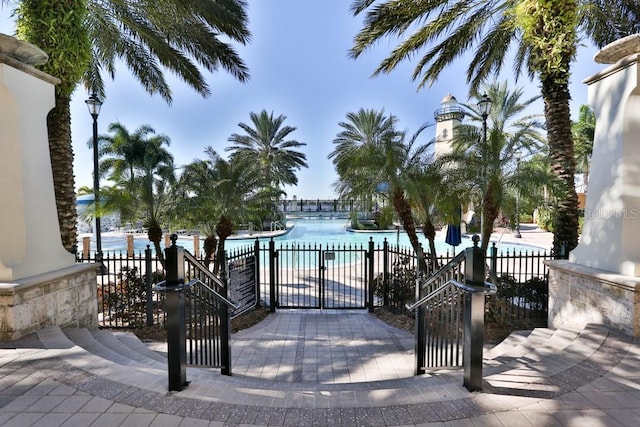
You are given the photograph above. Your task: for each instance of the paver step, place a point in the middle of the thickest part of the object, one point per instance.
(566, 360)
(514, 339)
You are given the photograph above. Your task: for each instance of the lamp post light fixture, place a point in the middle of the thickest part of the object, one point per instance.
(94, 104)
(516, 231)
(484, 108)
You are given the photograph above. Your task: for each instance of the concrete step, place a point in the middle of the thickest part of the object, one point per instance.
(59, 345)
(514, 339)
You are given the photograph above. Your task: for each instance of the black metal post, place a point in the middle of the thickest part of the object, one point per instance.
(272, 276)
(421, 323)
(225, 323)
(517, 230)
(176, 318)
(321, 269)
(494, 263)
(256, 254)
(484, 108)
(370, 256)
(385, 274)
(474, 317)
(149, 285)
(96, 189)
(484, 171)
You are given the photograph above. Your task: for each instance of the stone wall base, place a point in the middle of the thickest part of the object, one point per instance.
(581, 294)
(65, 298)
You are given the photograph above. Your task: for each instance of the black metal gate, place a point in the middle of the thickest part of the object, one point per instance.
(322, 277)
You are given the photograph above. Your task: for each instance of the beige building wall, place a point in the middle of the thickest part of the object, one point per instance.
(28, 215)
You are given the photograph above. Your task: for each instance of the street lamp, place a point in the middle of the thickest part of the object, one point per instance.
(94, 104)
(516, 232)
(484, 107)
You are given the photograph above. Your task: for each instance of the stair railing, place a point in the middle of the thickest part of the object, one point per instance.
(450, 318)
(198, 308)
(426, 288)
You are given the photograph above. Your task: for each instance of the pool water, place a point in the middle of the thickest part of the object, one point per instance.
(312, 231)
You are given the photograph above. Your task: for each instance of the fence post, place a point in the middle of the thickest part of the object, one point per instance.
(385, 273)
(176, 319)
(272, 276)
(473, 317)
(371, 289)
(225, 322)
(148, 280)
(421, 322)
(494, 264)
(256, 254)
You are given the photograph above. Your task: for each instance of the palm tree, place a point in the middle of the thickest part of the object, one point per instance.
(142, 170)
(369, 151)
(86, 38)
(490, 166)
(265, 150)
(121, 152)
(583, 135)
(362, 134)
(436, 192)
(218, 193)
(542, 34)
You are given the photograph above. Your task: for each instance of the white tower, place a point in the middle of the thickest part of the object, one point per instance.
(448, 117)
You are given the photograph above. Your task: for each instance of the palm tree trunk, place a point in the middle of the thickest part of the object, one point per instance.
(490, 210)
(558, 117)
(429, 231)
(155, 236)
(57, 28)
(403, 209)
(224, 229)
(210, 245)
(61, 151)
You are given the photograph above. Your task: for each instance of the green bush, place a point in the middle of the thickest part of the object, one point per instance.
(386, 217)
(526, 218)
(545, 219)
(400, 288)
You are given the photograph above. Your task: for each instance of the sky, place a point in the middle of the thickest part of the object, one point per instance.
(299, 66)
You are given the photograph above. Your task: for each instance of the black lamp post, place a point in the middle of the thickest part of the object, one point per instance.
(94, 104)
(484, 107)
(516, 232)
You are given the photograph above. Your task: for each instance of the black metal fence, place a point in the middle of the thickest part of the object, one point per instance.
(389, 272)
(124, 289)
(124, 285)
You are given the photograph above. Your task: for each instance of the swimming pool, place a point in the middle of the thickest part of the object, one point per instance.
(320, 231)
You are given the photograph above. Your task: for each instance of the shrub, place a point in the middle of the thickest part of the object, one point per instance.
(545, 219)
(400, 288)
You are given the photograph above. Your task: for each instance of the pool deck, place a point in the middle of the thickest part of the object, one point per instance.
(532, 235)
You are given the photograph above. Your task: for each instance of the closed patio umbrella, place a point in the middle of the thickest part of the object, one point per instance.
(454, 235)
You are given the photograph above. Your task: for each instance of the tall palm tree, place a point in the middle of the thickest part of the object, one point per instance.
(86, 38)
(142, 171)
(363, 132)
(369, 151)
(542, 34)
(490, 166)
(121, 152)
(265, 150)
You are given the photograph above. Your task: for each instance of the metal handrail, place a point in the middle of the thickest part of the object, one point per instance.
(163, 287)
(228, 302)
(455, 261)
(488, 289)
(198, 265)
